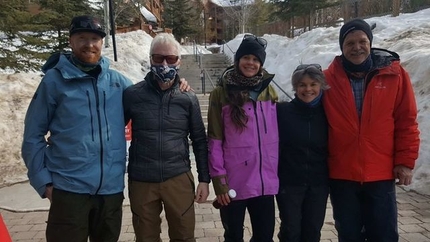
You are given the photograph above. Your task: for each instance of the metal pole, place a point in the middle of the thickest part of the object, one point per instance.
(106, 18)
(112, 25)
(204, 24)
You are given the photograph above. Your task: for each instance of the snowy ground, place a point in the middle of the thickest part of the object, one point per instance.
(408, 34)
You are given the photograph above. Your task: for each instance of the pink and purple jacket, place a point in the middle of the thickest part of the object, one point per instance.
(245, 161)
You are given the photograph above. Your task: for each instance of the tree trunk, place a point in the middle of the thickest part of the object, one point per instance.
(396, 8)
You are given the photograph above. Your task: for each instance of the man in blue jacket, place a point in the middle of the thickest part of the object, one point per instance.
(80, 166)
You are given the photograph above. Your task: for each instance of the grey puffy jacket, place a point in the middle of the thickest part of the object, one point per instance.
(161, 124)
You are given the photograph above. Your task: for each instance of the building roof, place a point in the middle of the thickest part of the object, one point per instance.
(148, 15)
(222, 3)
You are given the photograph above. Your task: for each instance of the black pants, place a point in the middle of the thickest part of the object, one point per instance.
(75, 217)
(261, 213)
(364, 211)
(302, 212)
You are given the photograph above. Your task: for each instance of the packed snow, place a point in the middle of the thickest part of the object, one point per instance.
(408, 35)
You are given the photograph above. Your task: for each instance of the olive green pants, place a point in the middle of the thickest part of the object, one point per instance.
(147, 200)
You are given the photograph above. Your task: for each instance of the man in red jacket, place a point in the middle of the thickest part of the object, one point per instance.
(373, 136)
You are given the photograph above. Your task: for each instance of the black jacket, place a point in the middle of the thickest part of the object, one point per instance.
(303, 137)
(161, 124)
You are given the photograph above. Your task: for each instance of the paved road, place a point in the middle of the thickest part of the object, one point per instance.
(414, 222)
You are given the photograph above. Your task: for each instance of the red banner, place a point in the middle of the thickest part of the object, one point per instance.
(128, 132)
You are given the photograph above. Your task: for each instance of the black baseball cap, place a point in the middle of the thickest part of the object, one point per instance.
(86, 23)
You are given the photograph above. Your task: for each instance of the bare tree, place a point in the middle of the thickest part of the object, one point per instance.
(240, 11)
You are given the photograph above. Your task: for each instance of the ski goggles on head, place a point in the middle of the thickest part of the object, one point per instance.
(170, 59)
(261, 41)
(307, 66)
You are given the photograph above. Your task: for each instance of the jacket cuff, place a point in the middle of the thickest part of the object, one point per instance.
(220, 184)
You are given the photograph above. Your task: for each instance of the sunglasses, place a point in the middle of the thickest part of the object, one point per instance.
(170, 59)
(261, 41)
(87, 24)
(307, 66)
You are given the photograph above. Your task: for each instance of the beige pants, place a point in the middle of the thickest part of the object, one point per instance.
(147, 200)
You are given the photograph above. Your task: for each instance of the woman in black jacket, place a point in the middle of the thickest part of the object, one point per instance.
(303, 172)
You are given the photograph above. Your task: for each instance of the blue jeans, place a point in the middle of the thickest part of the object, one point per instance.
(364, 211)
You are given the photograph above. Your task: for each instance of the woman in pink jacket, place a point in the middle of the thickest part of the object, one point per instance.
(243, 143)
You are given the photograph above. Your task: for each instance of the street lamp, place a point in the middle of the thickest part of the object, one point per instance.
(205, 25)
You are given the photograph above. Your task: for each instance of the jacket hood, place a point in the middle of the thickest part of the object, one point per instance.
(61, 62)
(53, 60)
(382, 57)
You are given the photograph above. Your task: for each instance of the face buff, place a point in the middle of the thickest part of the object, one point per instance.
(165, 73)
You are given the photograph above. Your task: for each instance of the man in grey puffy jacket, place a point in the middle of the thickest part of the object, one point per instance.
(159, 167)
(80, 167)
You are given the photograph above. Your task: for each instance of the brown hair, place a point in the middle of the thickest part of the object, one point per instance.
(237, 97)
(311, 71)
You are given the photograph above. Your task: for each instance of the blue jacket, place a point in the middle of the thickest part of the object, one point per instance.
(83, 120)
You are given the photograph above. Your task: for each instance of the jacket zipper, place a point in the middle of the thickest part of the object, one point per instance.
(259, 146)
(307, 152)
(104, 110)
(96, 94)
(264, 118)
(91, 116)
(161, 133)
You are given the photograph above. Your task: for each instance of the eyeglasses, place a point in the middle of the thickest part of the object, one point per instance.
(261, 41)
(170, 59)
(306, 66)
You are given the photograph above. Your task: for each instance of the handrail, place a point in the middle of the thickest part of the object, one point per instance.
(210, 79)
(282, 90)
(203, 74)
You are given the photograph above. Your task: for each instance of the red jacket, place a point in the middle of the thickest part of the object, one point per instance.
(388, 132)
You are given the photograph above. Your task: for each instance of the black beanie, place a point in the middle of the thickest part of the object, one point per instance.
(355, 24)
(250, 46)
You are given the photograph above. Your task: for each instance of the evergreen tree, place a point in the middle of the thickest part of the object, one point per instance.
(260, 16)
(289, 10)
(14, 16)
(34, 29)
(196, 22)
(57, 14)
(180, 17)
(22, 46)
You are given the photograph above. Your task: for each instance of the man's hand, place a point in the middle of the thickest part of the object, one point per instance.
(202, 192)
(404, 174)
(48, 192)
(183, 85)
